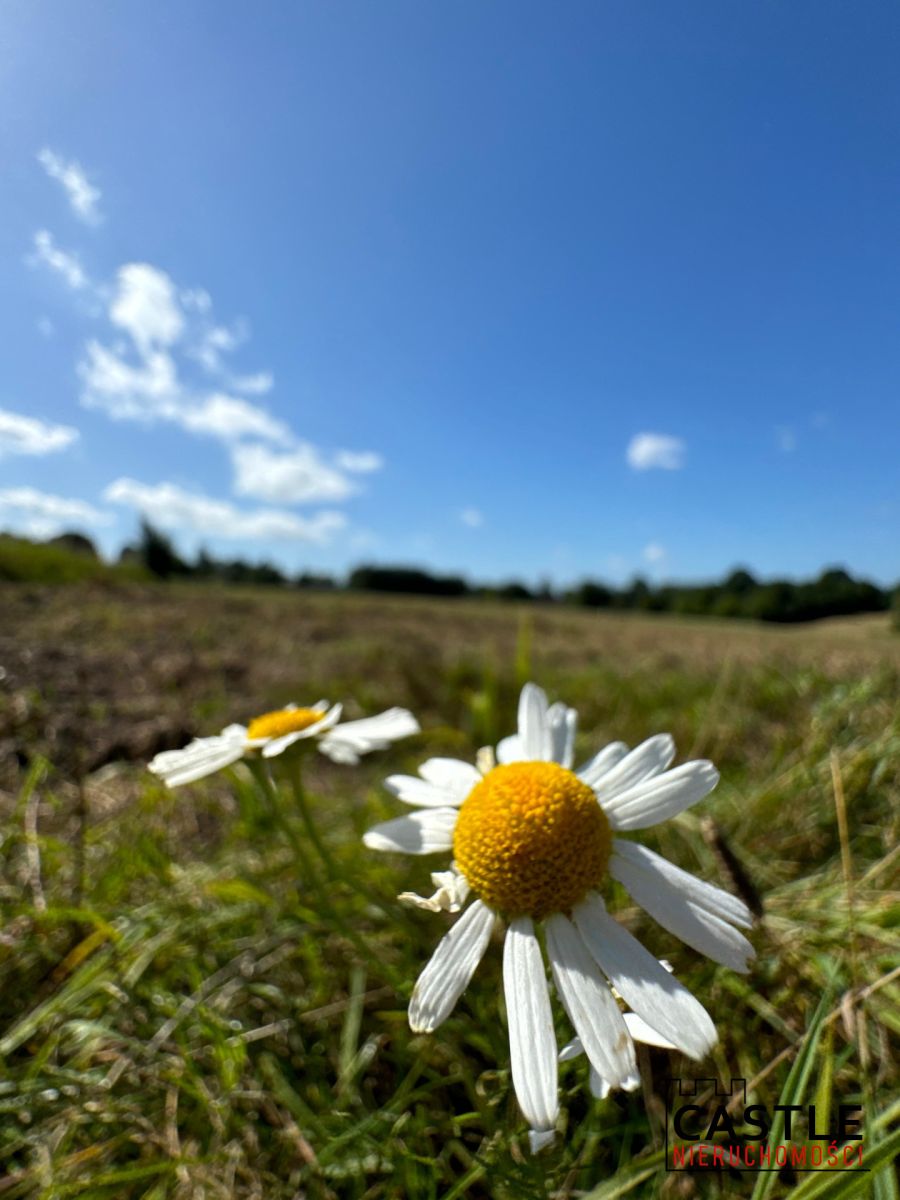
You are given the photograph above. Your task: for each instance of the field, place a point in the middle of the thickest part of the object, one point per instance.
(199, 1001)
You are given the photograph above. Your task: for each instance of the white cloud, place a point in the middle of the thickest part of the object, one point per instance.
(230, 418)
(146, 305)
(196, 299)
(147, 391)
(83, 196)
(253, 385)
(143, 382)
(654, 553)
(168, 505)
(785, 439)
(297, 477)
(662, 450)
(213, 342)
(151, 391)
(472, 517)
(360, 462)
(28, 435)
(67, 265)
(45, 327)
(41, 514)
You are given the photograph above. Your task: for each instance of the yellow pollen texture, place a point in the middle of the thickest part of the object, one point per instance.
(531, 839)
(285, 720)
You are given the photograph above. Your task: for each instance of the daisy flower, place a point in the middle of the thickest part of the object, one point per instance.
(273, 732)
(534, 841)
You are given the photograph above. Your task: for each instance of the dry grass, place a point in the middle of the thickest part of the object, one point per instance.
(189, 1010)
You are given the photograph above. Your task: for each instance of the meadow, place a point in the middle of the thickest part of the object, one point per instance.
(197, 1000)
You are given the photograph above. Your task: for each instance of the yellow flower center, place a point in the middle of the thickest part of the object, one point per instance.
(531, 839)
(285, 720)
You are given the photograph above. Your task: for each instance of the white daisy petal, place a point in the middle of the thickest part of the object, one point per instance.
(485, 760)
(444, 782)
(420, 794)
(448, 971)
(238, 732)
(451, 890)
(669, 905)
(450, 773)
(532, 1042)
(419, 833)
(510, 749)
(698, 891)
(539, 1139)
(202, 757)
(643, 762)
(588, 1001)
(638, 1028)
(599, 1087)
(641, 1032)
(601, 764)
(573, 1049)
(644, 985)
(347, 742)
(533, 729)
(664, 796)
(562, 722)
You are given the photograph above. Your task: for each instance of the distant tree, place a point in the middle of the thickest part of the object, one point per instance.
(156, 552)
(320, 583)
(268, 575)
(205, 566)
(513, 591)
(405, 579)
(545, 591)
(78, 543)
(591, 594)
(773, 602)
(739, 583)
(636, 595)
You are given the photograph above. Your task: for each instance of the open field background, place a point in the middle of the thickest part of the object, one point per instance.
(192, 1007)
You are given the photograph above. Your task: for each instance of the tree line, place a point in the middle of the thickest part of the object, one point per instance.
(72, 557)
(834, 593)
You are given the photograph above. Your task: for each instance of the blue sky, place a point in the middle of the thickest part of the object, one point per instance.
(511, 288)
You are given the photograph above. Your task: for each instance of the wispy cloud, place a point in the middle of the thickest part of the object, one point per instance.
(143, 381)
(647, 451)
(785, 439)
(65, 264)
(29, 435)
(359, 462)
(298, 477)
(170, 506)
(231, 418)
(145, 304)
(41, 514)
(253, 385)
(472, 517)
(166, 358)
(83, 197)
(654, 554)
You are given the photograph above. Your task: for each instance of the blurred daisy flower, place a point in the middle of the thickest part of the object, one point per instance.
(535, 840)
(274, 732)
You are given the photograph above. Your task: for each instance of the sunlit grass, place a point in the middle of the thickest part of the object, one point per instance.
(203, 1007)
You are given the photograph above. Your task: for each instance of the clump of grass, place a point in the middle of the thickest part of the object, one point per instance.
(196, 1004)
(23, 561)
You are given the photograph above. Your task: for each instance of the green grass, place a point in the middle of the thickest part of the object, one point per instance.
(23, 561)
(191, 1006)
